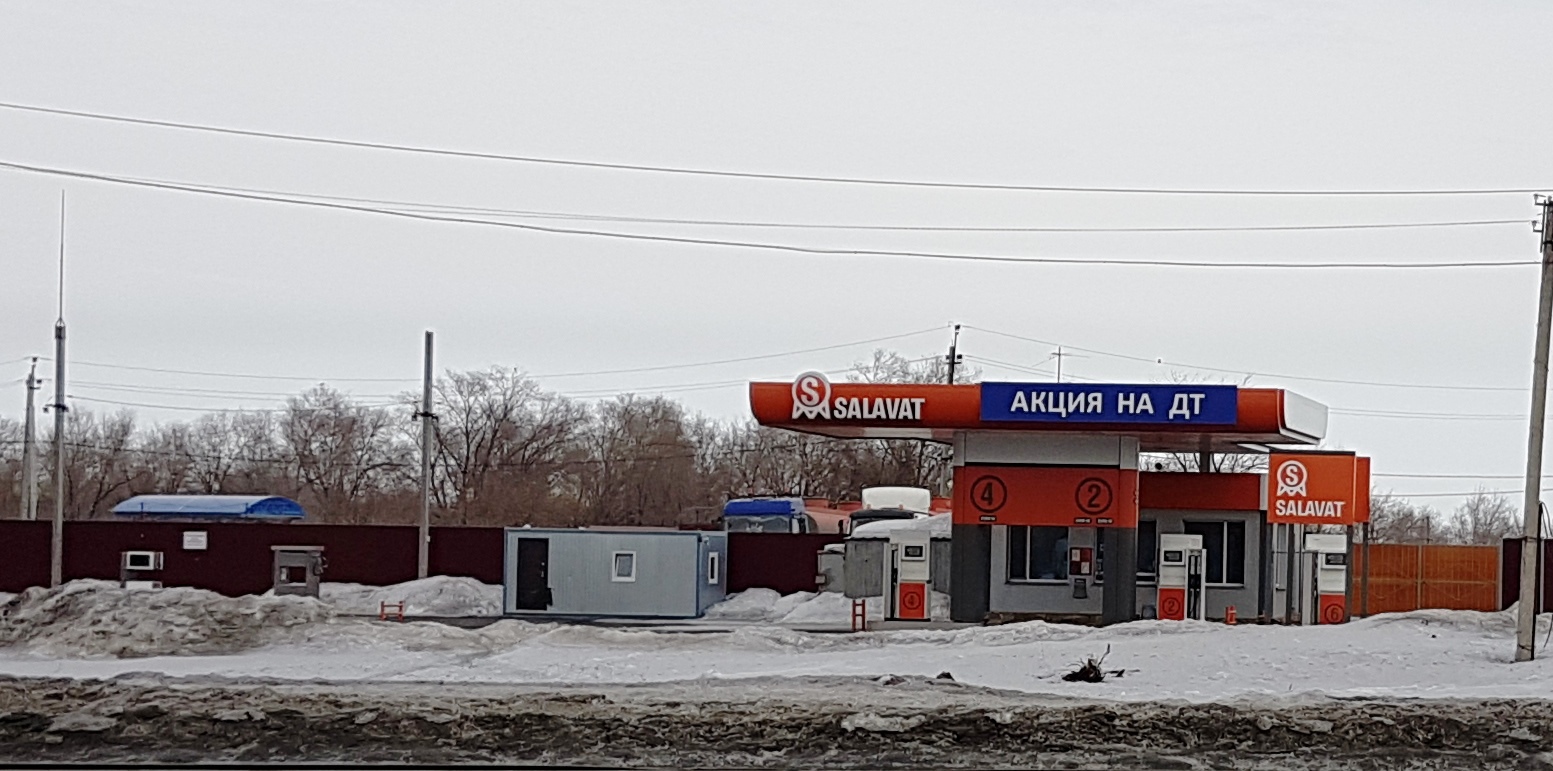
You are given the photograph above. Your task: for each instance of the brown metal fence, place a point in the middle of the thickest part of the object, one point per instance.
(1403, 577)
(236, 559)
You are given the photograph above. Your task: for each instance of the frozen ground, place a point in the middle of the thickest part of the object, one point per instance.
(91, 672)
(95, 630)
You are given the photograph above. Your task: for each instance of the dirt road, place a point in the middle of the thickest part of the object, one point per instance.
(786, 722)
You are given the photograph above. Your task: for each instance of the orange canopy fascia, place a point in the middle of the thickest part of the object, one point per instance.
(1265, 417)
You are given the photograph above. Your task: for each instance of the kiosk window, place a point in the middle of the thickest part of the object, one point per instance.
(1037, 553)
(1225, 543)
(1148, 554)
(1148, 549)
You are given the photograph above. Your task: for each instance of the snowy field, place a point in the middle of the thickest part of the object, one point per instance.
(93, 629)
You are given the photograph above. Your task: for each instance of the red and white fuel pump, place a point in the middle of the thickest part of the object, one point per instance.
(1327, 569)
(910, 573)
(1182, 582)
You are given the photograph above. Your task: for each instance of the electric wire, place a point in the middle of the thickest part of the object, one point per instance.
(1253, 373)
(706, 172)
(443, 208)
(781, 247)
(628, 370)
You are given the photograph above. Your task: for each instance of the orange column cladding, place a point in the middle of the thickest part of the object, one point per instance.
(1057, 496)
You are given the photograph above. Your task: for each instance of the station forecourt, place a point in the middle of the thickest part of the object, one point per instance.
(1054, 518)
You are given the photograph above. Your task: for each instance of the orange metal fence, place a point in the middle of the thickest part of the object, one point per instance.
(1405, 577)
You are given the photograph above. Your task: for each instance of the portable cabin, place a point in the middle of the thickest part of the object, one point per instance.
(613, 573)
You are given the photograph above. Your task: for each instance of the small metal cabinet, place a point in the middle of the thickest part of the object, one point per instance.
(298, 569)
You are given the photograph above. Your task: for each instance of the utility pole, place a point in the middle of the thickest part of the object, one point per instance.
(1531, 542)
(57, 541)
(29, 451)
(1058, 356)
(423, 556)
(954, 358)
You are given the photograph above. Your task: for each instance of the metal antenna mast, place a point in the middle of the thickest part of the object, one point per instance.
(57, 542)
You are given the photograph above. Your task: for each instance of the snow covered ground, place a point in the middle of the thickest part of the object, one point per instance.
(95, 630)
(434, 596)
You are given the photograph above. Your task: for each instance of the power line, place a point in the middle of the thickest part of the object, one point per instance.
(689, 365)
(793, 248)
(441, 208)
(185, 408)
(1427, 415)
(1459, 476)
(742, 358)
(421, 150)
(206, 392)
(1253, 373)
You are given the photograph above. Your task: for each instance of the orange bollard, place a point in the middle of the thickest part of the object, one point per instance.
(1229, 615)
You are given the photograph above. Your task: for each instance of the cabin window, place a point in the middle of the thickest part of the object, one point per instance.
(1225, 545)
(624, 566)
(1037, 553)
(713, 566)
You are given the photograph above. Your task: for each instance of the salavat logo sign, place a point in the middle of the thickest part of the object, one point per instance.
(815, 399)
(1315, 488)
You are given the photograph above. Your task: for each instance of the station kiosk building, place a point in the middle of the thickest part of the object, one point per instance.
(1055, 517)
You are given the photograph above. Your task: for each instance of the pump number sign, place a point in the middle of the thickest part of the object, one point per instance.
(1059, 496)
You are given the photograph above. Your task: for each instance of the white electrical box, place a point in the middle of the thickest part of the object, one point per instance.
(141, 560)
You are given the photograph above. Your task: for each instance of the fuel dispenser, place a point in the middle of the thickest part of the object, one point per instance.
(910, 575)
(1182, 580)
(1327, 571)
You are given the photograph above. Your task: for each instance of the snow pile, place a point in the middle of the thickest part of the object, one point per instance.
(806, 608)
(98, 619)
(432, 596)
(757, 605)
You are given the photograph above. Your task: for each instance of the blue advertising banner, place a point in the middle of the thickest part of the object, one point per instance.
(1109, 403)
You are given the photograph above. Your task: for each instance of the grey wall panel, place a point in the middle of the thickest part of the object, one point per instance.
(865, 568)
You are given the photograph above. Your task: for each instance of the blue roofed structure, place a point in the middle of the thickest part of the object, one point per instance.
(747, 507)
(208, 506)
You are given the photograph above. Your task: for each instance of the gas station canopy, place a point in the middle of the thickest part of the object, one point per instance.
(1164, 418)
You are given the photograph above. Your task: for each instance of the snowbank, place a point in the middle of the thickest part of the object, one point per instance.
(98, 619)
(805, 608)
(431, 596)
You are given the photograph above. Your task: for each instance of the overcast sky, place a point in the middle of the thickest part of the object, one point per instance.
(1391, 95)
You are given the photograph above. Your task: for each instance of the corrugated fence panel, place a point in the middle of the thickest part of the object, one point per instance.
(238, 557)
(1405, 577)
(26, 559)
(785, 562)
(1510, 586)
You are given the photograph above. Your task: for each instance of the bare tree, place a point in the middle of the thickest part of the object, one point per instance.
(501, 443)
(642, 464)
(1396, 520)
(344, 454)
(1484, 518)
